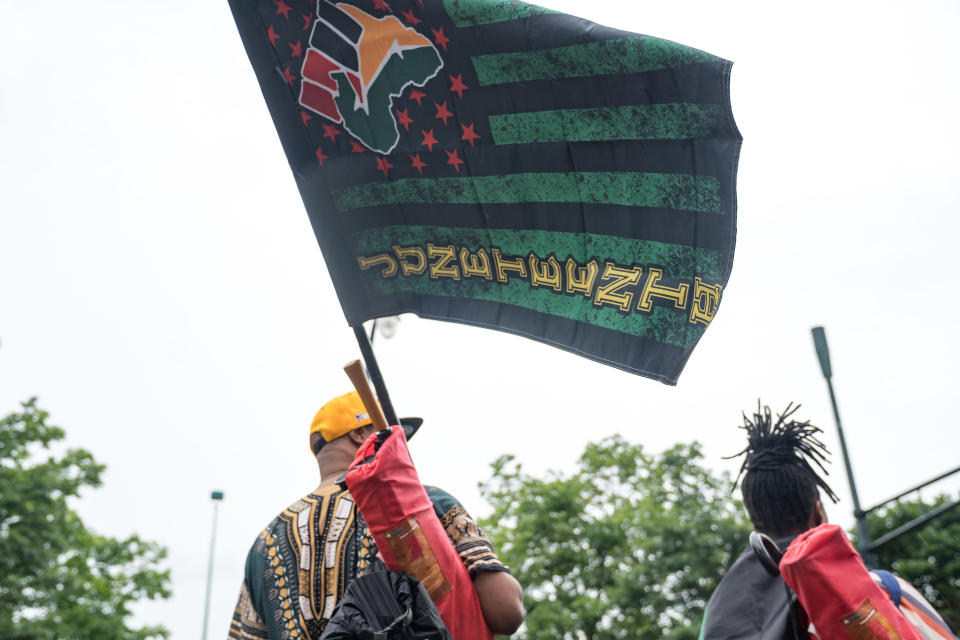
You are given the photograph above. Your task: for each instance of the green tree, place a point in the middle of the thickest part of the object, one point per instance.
(630, 545)
(59, 580)
(929, 557)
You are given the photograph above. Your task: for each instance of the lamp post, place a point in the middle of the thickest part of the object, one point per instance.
(823, 354)
(217, 497)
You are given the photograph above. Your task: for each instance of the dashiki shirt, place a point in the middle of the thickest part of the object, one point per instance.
(300, 565)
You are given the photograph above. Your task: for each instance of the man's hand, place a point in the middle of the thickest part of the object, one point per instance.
(501, 600)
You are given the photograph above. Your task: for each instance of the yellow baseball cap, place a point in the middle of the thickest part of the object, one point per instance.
(345, 413)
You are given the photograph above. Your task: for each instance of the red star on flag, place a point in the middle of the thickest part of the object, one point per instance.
(306, 117)
(442, 112)
(428, 139)
(307, 19)
(296, 50)
(320, 156)
(469, 134)
(417, 162)
(410, 18)
(383, 164)
(381, 5)
(404, 118)
(272, 35)
(457, 86)
(454, 158)
(282, 8)
(357, 147)
(418, 96)
(330, 131)
(440, 38)
(289, 77)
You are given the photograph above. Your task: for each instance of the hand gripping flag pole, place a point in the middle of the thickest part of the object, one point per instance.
(401, 518)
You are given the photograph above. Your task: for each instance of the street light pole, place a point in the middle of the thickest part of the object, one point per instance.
(217, 497)
(823, 353)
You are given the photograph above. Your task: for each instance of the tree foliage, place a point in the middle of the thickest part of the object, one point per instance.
(929, 557)
(59, 580)
(630, 545)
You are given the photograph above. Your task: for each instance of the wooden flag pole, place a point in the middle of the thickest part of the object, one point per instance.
(355, 372)
(366, 350)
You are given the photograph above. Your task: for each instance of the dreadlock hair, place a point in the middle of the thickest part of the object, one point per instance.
(780, 487)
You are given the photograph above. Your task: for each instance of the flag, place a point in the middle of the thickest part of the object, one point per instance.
(499, 164)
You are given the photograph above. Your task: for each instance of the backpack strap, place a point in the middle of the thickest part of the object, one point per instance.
(766, 551)
(889, 582)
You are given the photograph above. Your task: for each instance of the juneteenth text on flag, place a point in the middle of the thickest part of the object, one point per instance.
(614, 285)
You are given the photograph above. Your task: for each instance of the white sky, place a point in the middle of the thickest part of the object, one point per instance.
(161, 290)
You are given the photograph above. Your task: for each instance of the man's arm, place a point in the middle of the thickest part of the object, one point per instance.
(501, 599)
(248, 621)
(499, 593)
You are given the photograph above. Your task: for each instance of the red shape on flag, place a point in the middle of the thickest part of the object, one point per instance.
(282, 8)
(442, 112)
(404, 118)
(305, 117)
(318, 67)
(273, 36)
(307, 19)
(320, 100)
(357, 86)
(320, 156)
(418, 96)
(330, 131)
(417, 163)
(296, 50)
(457, 86)
(469, 134)
(428, 139)
(453, 157)
(381, 5)
(383, 164)
(357, 147)
(440, 38)
(289, 77)
(409, 17)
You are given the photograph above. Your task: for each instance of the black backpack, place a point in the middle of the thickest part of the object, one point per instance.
(386, 605)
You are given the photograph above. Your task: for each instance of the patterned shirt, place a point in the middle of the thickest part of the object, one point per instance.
(300, 565)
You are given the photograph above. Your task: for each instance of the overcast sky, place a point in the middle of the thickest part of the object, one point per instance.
(162, 292)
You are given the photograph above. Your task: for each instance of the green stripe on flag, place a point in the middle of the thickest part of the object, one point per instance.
(677, 260)
(659, 190)
(662, 325)
(468, 13)
(627, 55)
(630, 122)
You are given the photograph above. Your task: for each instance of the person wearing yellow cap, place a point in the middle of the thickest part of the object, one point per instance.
(299, 566)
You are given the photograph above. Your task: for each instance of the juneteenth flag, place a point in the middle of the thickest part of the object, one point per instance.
(499, 164)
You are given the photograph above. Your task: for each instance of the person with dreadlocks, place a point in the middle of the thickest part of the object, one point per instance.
(781, 491)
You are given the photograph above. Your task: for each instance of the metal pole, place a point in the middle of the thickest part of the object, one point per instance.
(366, 350)
(823, 353)
(916, 488)
(914, 524)
(216, 496)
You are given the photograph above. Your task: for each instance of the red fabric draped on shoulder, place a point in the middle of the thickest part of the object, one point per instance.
(408, 533)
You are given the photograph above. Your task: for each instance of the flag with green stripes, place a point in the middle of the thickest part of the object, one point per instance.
(503, 165)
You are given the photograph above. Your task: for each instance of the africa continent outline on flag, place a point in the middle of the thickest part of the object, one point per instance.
(356, 64)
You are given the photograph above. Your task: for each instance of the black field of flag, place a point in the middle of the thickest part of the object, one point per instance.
(498, 164)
